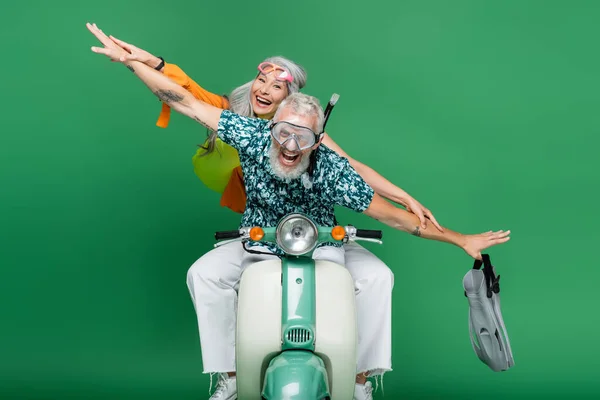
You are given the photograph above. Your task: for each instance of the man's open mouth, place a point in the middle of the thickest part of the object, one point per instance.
(289, 158)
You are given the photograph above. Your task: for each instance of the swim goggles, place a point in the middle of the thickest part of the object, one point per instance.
(281, 74)
(283, 132)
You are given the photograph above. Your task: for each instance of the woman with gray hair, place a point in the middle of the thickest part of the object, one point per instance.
(213, 279)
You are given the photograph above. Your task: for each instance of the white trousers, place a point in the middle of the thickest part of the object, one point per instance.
(213, 281)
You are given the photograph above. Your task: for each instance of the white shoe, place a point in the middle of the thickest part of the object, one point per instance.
(363, 392)
(226, 388)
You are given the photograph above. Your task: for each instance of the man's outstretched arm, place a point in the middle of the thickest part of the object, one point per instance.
(400, 219)
(175, 96)
(163, 87)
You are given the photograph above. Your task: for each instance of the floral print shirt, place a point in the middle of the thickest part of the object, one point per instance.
(269, 198)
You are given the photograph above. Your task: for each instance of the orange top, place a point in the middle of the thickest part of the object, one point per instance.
(234, 196)
(180, 77)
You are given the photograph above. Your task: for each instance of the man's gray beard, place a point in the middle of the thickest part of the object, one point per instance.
(287, 174)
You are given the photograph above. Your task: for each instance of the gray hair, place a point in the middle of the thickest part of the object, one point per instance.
(305, 105)
(240, 97)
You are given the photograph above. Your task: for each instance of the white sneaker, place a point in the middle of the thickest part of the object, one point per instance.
(226, 388)
(363, 392)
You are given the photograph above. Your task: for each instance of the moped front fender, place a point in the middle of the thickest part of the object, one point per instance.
(296, 375)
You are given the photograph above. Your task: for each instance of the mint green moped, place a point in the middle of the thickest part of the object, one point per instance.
(296, 331)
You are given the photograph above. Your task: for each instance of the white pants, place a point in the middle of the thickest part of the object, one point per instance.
(213, 281)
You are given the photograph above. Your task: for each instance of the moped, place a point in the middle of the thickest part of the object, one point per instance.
(296, 332)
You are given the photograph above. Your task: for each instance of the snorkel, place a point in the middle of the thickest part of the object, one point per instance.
(307, 177)
(334, 98)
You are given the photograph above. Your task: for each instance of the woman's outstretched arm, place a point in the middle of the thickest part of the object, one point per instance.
(385, 188)
(164, 88)
(172, 71)
(397, 218)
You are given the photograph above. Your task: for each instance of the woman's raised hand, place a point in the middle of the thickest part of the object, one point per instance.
(120, 51)
(111, 49)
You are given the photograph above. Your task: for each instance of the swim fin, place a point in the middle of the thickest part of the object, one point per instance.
(488, 334)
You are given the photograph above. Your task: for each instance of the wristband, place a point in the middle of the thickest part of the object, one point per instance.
(161, 65)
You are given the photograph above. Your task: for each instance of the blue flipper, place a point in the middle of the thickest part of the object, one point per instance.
(486, 326)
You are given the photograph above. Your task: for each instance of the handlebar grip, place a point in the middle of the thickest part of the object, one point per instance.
(227, 235)
(369, 234)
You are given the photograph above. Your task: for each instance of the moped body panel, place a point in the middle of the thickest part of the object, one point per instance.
(258, 332)
(259, 336)
(298, 317)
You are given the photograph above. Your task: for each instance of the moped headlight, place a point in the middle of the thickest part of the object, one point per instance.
(297, 235)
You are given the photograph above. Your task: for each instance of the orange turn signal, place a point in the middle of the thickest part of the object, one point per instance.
(257, 233)
(338, 232)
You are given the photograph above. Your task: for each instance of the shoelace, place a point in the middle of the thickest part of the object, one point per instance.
(222, 385)
(367, 389)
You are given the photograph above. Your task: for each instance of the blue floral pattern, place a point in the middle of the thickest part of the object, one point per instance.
(269, 198)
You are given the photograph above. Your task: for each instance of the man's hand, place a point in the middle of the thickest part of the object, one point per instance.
(474, 244)
(403, 220)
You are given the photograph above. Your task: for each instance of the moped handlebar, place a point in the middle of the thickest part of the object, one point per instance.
(370, 234)
(367, 235)
(227, 235)
(351, 234)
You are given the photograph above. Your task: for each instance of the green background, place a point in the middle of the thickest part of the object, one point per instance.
(485, 111)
